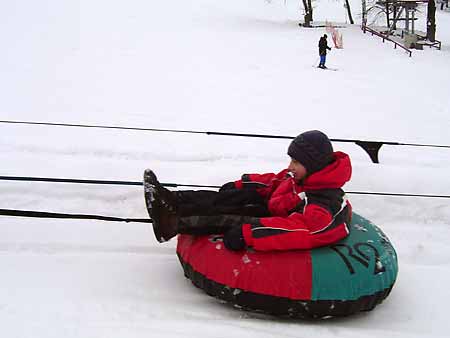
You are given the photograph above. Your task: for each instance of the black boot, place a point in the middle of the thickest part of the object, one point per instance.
(168, 198)
(164, 217)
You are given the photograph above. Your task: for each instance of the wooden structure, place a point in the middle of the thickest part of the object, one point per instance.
(400, 10)
(405, 11)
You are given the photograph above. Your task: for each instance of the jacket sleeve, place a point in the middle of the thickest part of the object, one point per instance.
(284, 200)
(283, 205)
(298, 231)
(263, 183)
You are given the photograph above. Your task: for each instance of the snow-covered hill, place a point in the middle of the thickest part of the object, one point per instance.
(237, 66)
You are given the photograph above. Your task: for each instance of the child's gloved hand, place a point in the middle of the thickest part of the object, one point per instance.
(234, 239)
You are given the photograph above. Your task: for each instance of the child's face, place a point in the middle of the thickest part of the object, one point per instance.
(297, 169)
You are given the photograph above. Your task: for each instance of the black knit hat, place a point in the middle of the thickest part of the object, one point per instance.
(312, 149)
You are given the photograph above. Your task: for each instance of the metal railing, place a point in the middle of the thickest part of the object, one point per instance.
(384, 37)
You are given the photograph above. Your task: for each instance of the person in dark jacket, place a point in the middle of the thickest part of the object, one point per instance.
(301, 207)
(323, 46)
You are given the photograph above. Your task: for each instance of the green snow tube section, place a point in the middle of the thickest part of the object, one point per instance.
(364, 263)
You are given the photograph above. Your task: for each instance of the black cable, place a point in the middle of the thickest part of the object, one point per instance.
(174, 185)
(396, 194)
(41, 214)
(82, 181)
(65, 180)
(216, 133)
(102, 127)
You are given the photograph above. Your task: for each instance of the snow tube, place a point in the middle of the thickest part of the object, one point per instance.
(352, 275)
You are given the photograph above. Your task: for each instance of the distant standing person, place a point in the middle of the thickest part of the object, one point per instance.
(323, 46)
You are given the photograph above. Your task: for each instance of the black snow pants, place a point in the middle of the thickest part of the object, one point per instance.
(204, 212)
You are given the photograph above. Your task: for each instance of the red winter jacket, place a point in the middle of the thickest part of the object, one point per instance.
(306, 215)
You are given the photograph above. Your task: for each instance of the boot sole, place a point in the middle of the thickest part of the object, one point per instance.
(150, 194)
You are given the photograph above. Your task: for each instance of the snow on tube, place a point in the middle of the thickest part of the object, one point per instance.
(352, 275)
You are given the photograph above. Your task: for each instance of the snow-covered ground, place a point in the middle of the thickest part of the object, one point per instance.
(236, 66)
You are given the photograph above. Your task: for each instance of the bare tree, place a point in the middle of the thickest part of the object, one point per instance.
(431, 20)
(308, 10)
(349, 12)
(376, 10)
(307, 6)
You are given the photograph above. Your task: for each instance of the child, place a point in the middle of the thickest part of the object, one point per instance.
(301, 207)
(323, 46)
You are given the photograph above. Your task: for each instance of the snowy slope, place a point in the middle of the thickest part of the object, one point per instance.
(238, 66)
